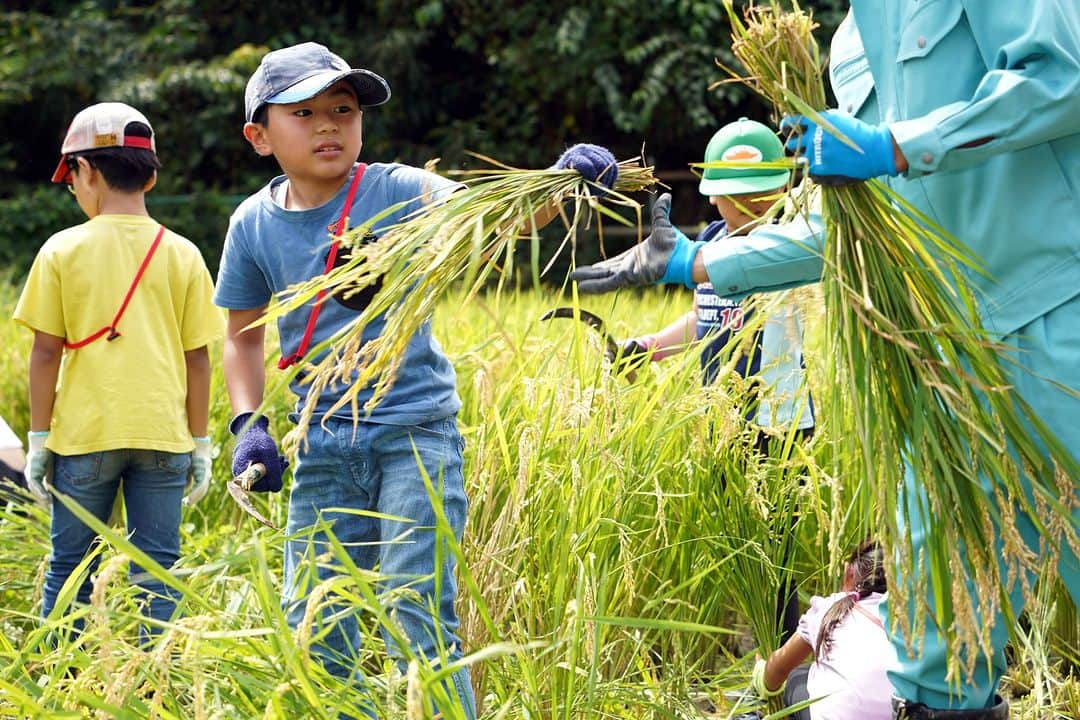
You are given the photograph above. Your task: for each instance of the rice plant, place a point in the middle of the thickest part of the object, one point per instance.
(463, 238)
(919, 380)
(599, 575)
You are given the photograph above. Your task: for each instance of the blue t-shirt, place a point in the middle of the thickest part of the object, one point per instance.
(774, 355)
(269, 248)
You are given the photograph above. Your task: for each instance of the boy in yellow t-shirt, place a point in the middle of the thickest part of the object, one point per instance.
(127, 307)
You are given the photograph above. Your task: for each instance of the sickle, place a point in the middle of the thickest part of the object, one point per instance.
(612, 351)
(239, 486)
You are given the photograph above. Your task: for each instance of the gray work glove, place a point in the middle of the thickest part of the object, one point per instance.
(38, 470)
(666, 256)
(199, 475)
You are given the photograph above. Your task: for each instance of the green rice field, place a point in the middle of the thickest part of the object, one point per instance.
(621, 557)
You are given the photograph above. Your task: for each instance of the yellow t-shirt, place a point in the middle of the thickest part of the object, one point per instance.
(131, 392)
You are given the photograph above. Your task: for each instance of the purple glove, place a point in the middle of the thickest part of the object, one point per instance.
(594, 162)
(256, 446)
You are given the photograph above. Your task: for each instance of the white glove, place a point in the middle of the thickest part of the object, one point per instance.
(757, 681)
(38, 471)
(199, 476)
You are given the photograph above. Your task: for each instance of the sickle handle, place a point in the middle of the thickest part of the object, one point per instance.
(252, 475)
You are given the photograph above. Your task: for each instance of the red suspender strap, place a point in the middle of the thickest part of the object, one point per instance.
(113, 333)
(339, 230)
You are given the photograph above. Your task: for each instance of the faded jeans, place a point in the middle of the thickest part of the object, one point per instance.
(372, 467)
(153, 486)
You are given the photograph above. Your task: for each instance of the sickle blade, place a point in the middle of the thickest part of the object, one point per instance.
(612, 351)
(239, 487)
(611, 348)
(240, 495)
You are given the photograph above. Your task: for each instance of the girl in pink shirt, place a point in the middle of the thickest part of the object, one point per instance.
(844, 632)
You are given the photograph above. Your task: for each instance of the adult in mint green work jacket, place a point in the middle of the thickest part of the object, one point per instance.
(971, 110)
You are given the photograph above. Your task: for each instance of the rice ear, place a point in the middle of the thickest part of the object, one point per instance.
(920, 381)
(469, 235)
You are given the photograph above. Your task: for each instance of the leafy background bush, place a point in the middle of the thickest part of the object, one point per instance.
(514, 81)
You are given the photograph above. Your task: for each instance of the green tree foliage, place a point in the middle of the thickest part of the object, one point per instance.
(515, 81)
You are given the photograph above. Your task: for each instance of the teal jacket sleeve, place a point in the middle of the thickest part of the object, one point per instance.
(1026, 88)
(772, 257)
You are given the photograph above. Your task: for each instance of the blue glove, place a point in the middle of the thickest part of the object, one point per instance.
(256, 446)
(594, 162)
(831, 160)
(666, 256)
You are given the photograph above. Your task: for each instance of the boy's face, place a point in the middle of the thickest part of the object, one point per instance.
(315, 141)
(741, 212)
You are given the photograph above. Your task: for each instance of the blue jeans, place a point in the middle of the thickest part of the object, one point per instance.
(153, 487)
(373, 467)
(795, 691)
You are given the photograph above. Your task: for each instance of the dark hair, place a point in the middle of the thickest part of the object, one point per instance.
(262, 115)
(867, 566)
(126, 169)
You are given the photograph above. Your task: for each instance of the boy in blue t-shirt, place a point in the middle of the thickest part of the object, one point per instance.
(303, 106)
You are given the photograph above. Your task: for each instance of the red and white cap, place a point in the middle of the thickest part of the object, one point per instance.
(101, 126)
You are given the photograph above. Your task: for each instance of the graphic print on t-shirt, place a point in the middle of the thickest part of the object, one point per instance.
(717, 319)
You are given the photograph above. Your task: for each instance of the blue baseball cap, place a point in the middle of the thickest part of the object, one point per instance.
(299, 72)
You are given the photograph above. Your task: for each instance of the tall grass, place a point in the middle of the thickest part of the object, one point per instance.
(602, 569)
(592, 581)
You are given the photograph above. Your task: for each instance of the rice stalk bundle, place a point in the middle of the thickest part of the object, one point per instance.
(758, 509)
(920, 383)
(462, 238)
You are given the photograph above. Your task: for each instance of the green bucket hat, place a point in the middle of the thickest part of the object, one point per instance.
(744, 141)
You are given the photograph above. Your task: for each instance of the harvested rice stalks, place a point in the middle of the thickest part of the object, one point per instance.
(920, 382)
(463, 238)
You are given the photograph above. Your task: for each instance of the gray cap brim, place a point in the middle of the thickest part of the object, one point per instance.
(371, 89)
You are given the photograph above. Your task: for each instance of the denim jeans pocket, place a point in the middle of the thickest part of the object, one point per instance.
(78, 469)
(174, 463)
(444, 429)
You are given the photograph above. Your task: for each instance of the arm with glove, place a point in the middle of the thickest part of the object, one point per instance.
(245, 379)
(666, 256)
(593, 162)
(45, 355)
(197, 363)
(654, 347)
(769, 676)
(842, 149)
(769, 258)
